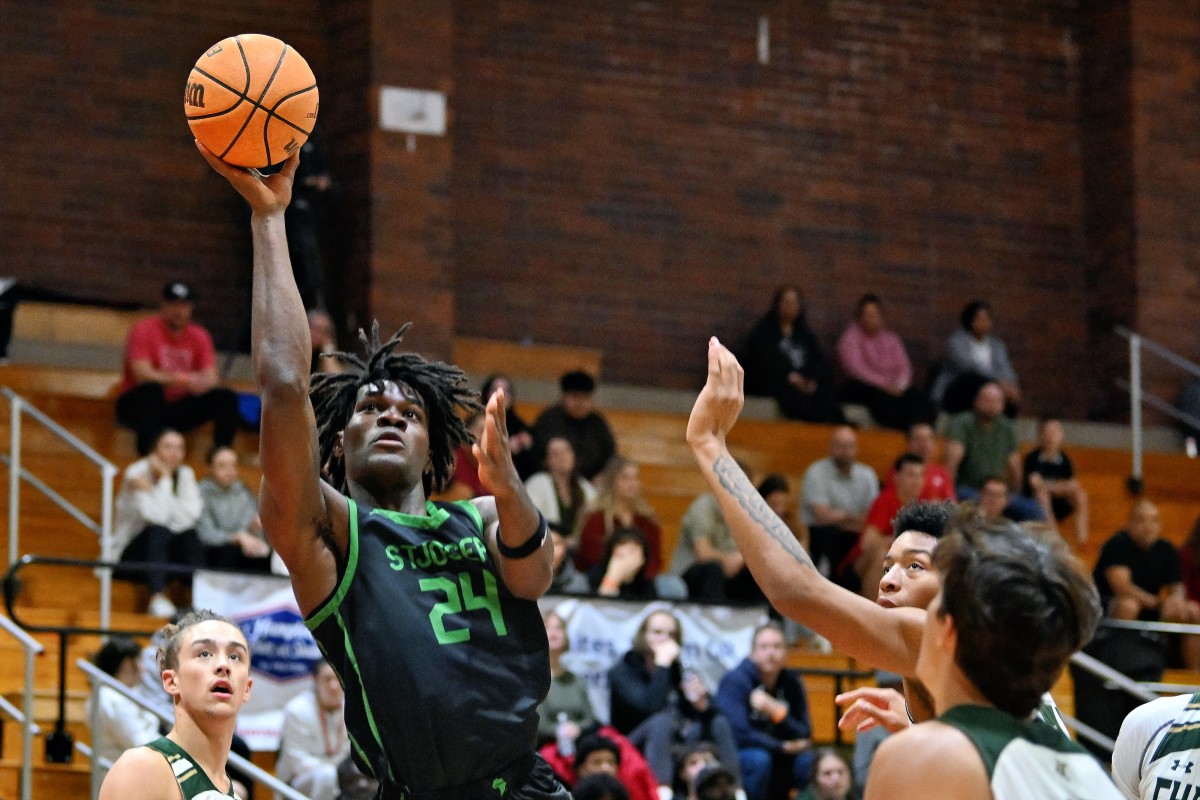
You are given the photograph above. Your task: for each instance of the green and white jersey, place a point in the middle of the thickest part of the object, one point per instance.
(1030, 760)
(1157, 756)
(1047, 714)
(193, 781)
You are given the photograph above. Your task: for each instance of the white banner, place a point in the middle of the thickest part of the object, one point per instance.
(715, 638)
(282, 651)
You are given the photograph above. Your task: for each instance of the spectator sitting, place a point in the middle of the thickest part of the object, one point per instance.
(619, 504)
(622, 571)
(323, 335)
(923, 442)
(831, 777)
(974, 357)
(157, 509)
(122, 723)
(877, 534)
(600, 786)
(575, 419)
(982, 443)
(641, 682)
(229, 527)
(566, 579)
(767, 707)
(171, 376)
(560, 492)
(600, 756)
(878, 369)
(568, 692)
(692, 759)
(1189, 563)
(520, 435)
(465, 483)
(1138, 575)
(1050, 479)
(692, 718)
(993, 499)
(836, 494)
(314, 740)
(707, 558)
(715, 782)
(784, 360)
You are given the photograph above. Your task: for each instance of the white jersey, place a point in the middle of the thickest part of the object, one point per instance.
(1026, 761)
(1157, 756)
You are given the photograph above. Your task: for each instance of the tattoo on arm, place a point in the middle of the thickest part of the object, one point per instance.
(737, 484)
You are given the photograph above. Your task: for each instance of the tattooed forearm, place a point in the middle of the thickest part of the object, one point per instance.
(735, 481)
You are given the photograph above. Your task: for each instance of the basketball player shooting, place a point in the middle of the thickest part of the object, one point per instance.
(426, 610)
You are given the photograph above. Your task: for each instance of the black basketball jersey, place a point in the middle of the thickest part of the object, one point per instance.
(443, 667)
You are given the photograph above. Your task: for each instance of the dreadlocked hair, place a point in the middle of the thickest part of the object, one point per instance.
(441, 386)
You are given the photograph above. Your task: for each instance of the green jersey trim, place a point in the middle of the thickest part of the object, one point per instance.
(335, 602)
(363, 688)
(432, 520)
(472, 511)
(1181, 736)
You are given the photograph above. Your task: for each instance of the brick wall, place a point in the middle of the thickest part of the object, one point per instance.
(105, 196)
(629, 176)
(1166, 112)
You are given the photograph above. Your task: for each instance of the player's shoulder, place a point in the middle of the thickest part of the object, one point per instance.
(140, 774)
(1157, 712)
(931, 760)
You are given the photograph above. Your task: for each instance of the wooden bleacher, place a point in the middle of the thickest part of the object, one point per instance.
(82, 400)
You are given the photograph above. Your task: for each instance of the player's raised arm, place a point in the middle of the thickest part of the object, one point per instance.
(292, 502)
(516, 533)
(888, 639)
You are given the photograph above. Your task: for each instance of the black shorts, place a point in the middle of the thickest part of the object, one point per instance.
(538, 783)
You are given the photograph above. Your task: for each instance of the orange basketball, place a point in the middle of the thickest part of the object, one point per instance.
(251, 99)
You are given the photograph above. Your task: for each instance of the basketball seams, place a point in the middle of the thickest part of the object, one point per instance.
(240, 95)
(257, 103)
(267, 88)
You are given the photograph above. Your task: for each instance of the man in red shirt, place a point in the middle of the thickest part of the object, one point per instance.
(171, 375)
(866, 558)
(922, 441)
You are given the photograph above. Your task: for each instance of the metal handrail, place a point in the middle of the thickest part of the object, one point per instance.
(1139, 397)
(1088, 732)
(99, 677)
(16, 473)
(29, 728)
(1118, 679)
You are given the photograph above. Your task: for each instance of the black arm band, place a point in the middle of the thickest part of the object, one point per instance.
(530, 546)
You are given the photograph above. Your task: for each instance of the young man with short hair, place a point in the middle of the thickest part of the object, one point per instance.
(205, 665)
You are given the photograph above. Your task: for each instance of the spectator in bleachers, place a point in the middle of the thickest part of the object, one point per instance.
(323, 335)
(466, 484)
(568, 692)
(767, 708)
(621, 572)
(157, 509)
(982, 443)
(600, 786)
(691, 718)
(975, 356)
(229, 527)
(707, 558)
(1139, 577)
(877, 534)
(574, 418)
(836, 493)
(559, 491)
(313, 741)
(715, 782)
(784, 360)
(923, 441)
(567, 579)
(1189, 563)
(520, 435)
(642, 680)
(689, 762)
(619, 504)
(993, 499)
(171, 375)
(1050, 479)
(878, 370)
(831, 777)
(122, 723)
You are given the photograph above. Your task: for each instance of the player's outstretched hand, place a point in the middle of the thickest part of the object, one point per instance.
(871, 706)
(266, 194)
(496, 470)
(720, 401)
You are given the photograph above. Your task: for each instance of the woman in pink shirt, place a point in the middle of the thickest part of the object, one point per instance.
(878, 372)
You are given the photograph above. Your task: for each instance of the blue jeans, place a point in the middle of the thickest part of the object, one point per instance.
(767, 775)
